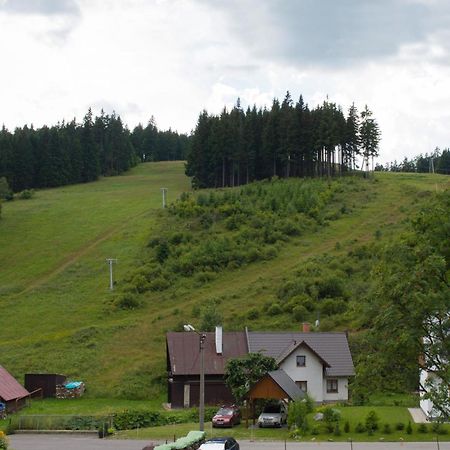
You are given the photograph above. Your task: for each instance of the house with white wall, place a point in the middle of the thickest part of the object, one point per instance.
(319, 363)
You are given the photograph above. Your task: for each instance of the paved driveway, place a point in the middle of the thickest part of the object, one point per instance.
(59, 442)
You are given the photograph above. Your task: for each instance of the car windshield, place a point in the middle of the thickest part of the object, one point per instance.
(273, 409)
(225, 412)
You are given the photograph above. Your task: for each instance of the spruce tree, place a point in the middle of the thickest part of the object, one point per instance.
(370, 137)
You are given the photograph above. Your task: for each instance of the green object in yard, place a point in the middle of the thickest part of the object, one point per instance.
(165, 446)
(192, 438)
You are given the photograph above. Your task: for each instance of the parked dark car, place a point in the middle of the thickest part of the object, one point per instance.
(227, 416)
(220, 443)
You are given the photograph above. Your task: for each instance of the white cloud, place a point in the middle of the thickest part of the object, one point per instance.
(171, 59)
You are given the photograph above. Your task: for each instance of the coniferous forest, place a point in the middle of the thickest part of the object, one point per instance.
(289, 140)
(74, 152)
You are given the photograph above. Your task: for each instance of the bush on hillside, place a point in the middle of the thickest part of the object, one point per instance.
(26, 194)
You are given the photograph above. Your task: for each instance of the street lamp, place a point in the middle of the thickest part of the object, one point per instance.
(201, 411)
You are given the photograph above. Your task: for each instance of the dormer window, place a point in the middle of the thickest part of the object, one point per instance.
(301, 361)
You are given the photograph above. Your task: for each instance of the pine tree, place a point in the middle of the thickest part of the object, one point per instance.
(352, 141)
(370, 137)
(91, 160)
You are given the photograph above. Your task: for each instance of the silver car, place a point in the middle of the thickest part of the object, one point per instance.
(273, 415)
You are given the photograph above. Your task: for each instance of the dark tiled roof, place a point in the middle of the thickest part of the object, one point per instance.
(10, 388)
(331, 347)
(184, 356)
(287, 384)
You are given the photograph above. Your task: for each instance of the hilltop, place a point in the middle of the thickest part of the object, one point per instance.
(59, 316)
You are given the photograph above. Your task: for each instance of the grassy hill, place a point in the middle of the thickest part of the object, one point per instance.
(57, 315)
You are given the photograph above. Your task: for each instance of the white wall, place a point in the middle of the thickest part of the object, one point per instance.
(312, 372)
(341, 394)
(426, 405)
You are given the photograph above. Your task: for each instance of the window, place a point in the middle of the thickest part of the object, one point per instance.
(301, 361)
(332, 386)
(303, 385)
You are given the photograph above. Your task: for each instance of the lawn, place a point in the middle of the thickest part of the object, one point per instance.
(56, 310)
(354, 414)
(86, 406)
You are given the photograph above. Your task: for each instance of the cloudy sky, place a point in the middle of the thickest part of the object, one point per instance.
(172, 58)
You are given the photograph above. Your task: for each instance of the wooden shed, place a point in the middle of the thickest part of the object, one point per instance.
(12, 393)
(44, 382)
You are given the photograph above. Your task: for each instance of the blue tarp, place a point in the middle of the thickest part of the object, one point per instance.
(73, 384)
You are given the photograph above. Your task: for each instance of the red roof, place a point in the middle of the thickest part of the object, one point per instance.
(183, 352)
(10, 388)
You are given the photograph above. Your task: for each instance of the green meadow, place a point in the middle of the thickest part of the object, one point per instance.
(58, 315)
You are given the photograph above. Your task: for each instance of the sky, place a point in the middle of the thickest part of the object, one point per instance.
(173, 58)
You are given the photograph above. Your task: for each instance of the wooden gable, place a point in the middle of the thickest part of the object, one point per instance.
(266, 388)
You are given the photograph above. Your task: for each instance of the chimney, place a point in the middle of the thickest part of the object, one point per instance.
(219, 340)
(306, 327)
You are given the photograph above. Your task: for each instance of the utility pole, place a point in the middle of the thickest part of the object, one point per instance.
(164, 197)
(111, 261)
(201, 410)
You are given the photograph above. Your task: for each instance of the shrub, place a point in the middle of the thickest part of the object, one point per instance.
(162, 251)
(409, 429)
(274, 309)
(127, 420)
(422, 428)
(372, 421)
(299, 312)
(204, 277)
(331, 287)
(387, 429)
(347, 427)
(140, 283)
(330, 307)
(298, 410)
(26, 194)
(315, 431)
(127, 301)
(399, 426)
(337, 431)
(158, 284)
(438, 429)
(331, 415)
(5, 191)
(210, 316)
(360, 428)
(3, 441)
(253, 314)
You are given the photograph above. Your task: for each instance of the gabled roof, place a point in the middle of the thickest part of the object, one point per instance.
(184, 356)
(10, 388)
(331, 347)
(287, 384)
(294, 346)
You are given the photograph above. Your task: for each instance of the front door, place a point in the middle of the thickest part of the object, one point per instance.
(187, 395)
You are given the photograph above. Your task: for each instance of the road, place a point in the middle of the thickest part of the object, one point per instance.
(63, 442)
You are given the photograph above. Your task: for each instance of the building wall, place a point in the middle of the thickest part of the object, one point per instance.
(426, 405)
(312, 373)
(341, 394)
(14, 405)
(46, 382)
(216, 391)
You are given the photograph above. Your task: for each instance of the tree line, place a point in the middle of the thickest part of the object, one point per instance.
(436, 162)
(288, 140)
(73, 152)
